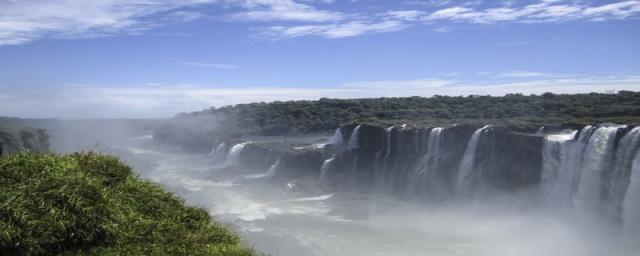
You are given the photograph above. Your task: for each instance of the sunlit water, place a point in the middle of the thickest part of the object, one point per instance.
(294, 218)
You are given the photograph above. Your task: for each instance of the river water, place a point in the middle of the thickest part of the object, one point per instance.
(300, 217)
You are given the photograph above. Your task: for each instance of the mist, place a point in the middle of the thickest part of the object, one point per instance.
(293, 215)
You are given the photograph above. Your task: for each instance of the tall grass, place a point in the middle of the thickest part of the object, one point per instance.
(92, 204)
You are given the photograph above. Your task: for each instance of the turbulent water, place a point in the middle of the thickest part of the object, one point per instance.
(305, 217)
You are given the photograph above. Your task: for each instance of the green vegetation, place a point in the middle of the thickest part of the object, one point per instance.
(199, 130)
(91, 204)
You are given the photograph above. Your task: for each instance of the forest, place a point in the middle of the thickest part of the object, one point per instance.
(202, 128)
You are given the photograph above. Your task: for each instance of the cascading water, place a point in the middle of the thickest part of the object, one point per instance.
(557, 173)
(598, 157)
(220, 152)
(467, 175)
(381, 165)
(618, 179)
(424, 174)
(354, 138)
(234, 153)
(562, 162)
(273, 170)
(326, 165)
(337, 139)
(631, 204)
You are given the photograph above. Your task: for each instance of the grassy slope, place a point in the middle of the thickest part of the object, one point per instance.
(86, 203)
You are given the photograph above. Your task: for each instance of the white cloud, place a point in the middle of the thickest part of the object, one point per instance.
(210, 65)
(28, 20)
(163, 101)
(523, 74)
(349, 29)
(274, 10)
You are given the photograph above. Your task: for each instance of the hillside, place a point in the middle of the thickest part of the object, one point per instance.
(200, 130)
(91, 204)
(17, 137)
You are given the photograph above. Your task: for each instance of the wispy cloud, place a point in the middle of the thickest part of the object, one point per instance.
(349, 29)
(28, 20)
(164, 101)
(210, 65)
(283, 10)
(523, 74)
(25, 21)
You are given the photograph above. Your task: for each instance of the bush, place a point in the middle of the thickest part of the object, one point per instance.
(87, 203)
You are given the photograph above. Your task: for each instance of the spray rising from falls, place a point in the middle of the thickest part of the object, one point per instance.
(467, 174)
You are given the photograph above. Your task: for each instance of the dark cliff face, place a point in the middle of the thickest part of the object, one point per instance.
(392, 158)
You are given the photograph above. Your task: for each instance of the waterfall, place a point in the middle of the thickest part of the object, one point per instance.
(425, 172)
(234, 153)
(383, 163)
(557, 172)
(337, 139)
(273, 170)
(598, 157)
(326, 165)
(467, 175)
(220, 152)
(631, 205)
(354, 138)
(619, 178)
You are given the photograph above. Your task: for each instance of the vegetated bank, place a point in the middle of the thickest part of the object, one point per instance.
(204, 129)
(88, 203)
(92, 204)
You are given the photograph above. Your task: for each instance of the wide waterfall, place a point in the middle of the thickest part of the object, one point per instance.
(467, 174)
(597, 158)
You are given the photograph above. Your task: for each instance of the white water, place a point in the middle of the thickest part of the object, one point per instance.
(326, 165)
(466, 173)
(596, 159)
(337, 139)
(234, 153)
(273, 170)
(558, 174)
(355, 138)
(424, 173)
(296, 219)
(220, 152)
(631, 205)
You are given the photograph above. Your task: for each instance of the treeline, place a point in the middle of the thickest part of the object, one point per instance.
(295, 117)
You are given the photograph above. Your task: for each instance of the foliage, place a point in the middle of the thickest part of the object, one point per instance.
(291, 117)
(87, 203)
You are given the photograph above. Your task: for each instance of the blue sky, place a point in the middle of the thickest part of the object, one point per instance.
(154, 58)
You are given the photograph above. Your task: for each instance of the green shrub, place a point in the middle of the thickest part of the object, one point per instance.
(87, 203)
